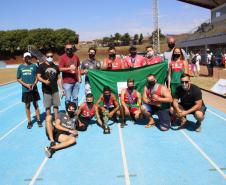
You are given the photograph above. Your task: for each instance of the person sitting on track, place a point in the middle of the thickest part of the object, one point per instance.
(63, 130)
(86, 112)
(156, 100)
(110, 108)
(131, 101)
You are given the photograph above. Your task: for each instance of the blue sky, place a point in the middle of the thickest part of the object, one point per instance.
(99, 18)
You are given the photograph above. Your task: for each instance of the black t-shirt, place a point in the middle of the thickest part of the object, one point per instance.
(188, 98)
(51, 73)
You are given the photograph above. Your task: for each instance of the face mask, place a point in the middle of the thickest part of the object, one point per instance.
(89, 104)
(27, 60)
(71, 114)
(151, 83)
(107, 97)
(171, 45)
(69, 52)
(112, 55)
(133, 54)
(91, 55)
(131, 88)
(185, 86)
(49, 59)
(176, 56)
(150, 54)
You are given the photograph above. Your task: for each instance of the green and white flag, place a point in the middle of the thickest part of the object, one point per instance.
(117, 80)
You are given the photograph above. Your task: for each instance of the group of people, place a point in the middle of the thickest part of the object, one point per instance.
(173, 100)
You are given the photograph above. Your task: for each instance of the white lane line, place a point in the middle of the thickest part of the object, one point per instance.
(10, 88)
(202, 152)
(214, 113)
(9, 95)
(9, 107)
(14, 128)
(7, 83)
(125, 166)
(38, 171)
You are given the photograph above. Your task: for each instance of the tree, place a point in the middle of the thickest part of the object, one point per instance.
(135, 39)
(126, 39)
(141, 38)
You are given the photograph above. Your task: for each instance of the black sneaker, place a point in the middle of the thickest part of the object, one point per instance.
(39, 123)
(198, 126)
(29, 125)
(107, 130)
(49, 151)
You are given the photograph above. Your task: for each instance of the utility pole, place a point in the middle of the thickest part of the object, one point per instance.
(155, 36)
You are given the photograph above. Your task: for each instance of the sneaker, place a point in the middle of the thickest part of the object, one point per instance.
(29, 125)
(198, 126)
(39, 123)
(107, 130)
(49, 151)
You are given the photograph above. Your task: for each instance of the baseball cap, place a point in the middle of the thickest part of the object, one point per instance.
(27, 54)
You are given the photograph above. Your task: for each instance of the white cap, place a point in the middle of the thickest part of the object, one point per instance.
(27, 54)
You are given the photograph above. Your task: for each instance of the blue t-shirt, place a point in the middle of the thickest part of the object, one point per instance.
(27, 73)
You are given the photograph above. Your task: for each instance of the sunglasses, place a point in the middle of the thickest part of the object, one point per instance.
(184, 82)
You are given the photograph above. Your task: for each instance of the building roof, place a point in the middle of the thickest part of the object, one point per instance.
(210, 4)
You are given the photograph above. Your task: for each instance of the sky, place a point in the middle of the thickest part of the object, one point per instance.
(98, 18)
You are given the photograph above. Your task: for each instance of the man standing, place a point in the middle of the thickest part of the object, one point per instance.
(209, 62)
(69, 66)
(113, 62)
(134, 60)
(150, 56)
(49, 75)
(188, 100)
(27, 77)
(90, 63)
(157, 99)
(63, 131)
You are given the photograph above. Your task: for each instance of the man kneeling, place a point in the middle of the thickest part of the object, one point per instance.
(63, 131)
(188, 100)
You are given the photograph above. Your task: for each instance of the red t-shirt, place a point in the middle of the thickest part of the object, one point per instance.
(153, 60)
(137, 61)
(113, 65)
(65, 62)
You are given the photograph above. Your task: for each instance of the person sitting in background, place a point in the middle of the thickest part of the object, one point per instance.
(188, 100)
(27, 77)
(150, 56)
(63, 130)
(113, 62)
(134, 60)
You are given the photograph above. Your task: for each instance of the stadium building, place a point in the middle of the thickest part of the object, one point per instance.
(211, 33)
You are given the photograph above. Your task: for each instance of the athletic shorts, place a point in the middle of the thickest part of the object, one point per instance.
(83, 120)
(56, 134)
(50, 100)
(32, 96)
(132, 110)
(202, 109)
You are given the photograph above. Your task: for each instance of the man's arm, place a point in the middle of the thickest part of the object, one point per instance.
(139, 99)
(145, 98)
(197, 106)
(60, 127)
(99, 100)
(115, 102)
(167, 97)
(24, 84)
(47, 82)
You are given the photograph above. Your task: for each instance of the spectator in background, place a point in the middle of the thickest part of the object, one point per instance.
(209, 62)
(177, 67)
(70, 67)
(196, 63)
(224, 59)
(27, 77)
(134, 60)
(113, 62)
(150, 57)
(48, 73)
(90, 63)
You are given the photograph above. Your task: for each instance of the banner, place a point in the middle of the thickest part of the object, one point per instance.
(117, 80)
